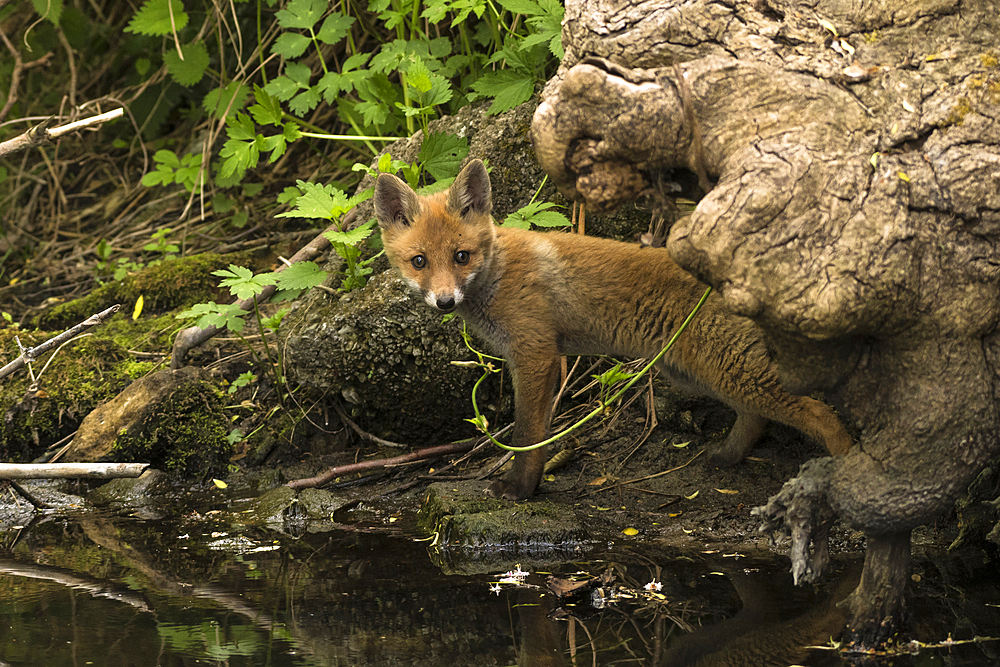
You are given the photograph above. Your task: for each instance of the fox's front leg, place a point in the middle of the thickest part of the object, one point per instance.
(534, 380)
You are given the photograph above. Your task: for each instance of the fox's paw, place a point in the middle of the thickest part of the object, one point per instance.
(509, 489)
(724, 455)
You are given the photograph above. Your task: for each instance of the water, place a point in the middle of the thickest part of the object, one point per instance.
(205, 589)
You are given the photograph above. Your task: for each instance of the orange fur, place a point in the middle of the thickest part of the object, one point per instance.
(534, 297)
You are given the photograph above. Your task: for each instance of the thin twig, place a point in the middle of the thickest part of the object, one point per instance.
(365, 435)
(31, 354)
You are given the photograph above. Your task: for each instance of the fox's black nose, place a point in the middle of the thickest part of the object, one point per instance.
(446, 303)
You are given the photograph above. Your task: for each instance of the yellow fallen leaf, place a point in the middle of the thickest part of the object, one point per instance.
(829, 26)
(874, 160)
(902, 176)
(138, 308)
(630, 531)
(597, 482)
(219, 483)
(686, 531)
(728, 492)
(682, 445)
(909, 107)
(692, 496)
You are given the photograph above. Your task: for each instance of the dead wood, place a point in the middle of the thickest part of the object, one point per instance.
(855, 217)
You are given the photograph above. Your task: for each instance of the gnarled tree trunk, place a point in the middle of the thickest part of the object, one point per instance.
(855, 216)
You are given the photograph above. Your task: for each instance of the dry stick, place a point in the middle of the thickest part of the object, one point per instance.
(70, 470)
(33, 353)
(643, 479)
(365, 435)
(42, 134)
(419, 455)
(192, 337)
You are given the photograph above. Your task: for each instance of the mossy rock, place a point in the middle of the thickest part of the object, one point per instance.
(463, 517)
(164, 286)
(173, 420)
(68, 384)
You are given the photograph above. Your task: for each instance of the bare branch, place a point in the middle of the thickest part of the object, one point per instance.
(41, 134)
(33, 353)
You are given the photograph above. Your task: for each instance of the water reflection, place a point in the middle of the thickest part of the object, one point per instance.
(123, 591)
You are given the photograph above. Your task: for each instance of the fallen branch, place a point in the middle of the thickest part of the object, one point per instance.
(30, 354)
(420, 455)
(73, 470)
(43, 133)
(192, 337)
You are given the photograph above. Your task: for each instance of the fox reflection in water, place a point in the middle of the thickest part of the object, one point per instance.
(759, 635)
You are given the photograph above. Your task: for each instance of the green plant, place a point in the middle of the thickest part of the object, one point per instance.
(244, 284)
(487, 366)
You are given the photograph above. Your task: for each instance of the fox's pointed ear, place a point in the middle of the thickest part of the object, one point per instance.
(471, 190)
(395, 202)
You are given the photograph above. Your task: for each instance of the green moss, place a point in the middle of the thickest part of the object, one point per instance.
(187, 434)
(164, 286)
(67, 386)
(959, 111)
(989, 60)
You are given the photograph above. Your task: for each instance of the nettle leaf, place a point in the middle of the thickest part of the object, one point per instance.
(153, 18)
(241, 281)
(538, 214)
(218, 99)
(189, 71)
(335, 28)
(316, 201)
(441, 154)
(291, 44)
(508, 88)
(526, 7)
(418, 76)
(351, 237)
(300, 275)
(301, 14)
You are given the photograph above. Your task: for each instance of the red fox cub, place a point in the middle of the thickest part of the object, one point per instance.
(534, 296)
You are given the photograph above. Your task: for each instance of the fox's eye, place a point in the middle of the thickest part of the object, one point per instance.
(419, 262)
(462, 256)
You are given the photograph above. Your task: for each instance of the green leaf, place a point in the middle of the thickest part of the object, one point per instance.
(352, 237)
(167, 158)
(299, 73)
(305, 101)
(228, 316)
(508, 88)
(301, 275)
(282, 87)
(441, 154)
(49, 9)
(301, 14)
(290, 44)
(218, 99)
(316, 201)
(334, 28)
(153, 18)
(538, 214)
(267, 111)
(189, 71)
(526, 7)
(241, 281)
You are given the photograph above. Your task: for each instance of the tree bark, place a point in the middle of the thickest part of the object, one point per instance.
(855, 216)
